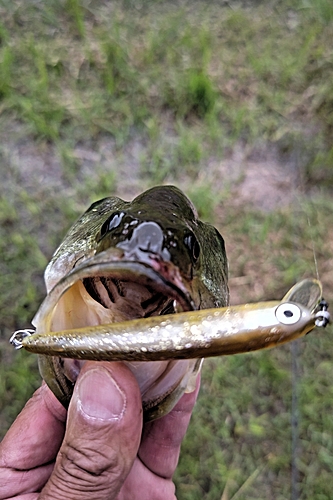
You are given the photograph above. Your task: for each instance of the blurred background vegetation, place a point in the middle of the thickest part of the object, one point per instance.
(231, 101)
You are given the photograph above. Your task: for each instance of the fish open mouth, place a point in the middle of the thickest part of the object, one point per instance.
(131, 290)
(106, 289)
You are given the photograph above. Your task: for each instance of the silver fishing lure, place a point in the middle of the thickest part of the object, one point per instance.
(190, 334)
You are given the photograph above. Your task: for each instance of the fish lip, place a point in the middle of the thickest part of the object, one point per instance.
(161, 275)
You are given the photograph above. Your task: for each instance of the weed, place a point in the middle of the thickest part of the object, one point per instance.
(76, 13)
(320, 9)
(5, 72)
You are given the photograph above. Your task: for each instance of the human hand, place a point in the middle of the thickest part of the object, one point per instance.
(102, 452)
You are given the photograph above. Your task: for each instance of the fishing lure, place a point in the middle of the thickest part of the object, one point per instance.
(190, 334)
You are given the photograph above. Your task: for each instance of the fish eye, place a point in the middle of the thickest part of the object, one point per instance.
(104, 229)
(111, 223)
(193, 245)
(287, 313)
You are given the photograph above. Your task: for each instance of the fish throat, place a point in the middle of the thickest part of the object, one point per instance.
(129, 299)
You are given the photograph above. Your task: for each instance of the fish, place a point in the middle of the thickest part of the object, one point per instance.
(146, 283)
(133, 260)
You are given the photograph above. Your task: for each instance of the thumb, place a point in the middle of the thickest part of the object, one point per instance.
(102, 437)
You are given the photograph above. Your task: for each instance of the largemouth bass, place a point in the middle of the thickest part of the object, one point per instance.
(121, 272)
(124, 260)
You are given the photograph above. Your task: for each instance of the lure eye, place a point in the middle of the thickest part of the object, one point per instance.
(192, 244)
(287, 313)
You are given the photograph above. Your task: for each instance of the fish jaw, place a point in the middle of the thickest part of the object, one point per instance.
(144, 289)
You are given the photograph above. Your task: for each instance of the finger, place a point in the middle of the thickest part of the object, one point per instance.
(155, 487)
(30, 446)
(162, 438)
(102, 437)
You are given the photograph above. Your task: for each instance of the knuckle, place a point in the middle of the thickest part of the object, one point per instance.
(90, 461)
(83, 468)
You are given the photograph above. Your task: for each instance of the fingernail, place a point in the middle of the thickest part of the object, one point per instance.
(99, 396)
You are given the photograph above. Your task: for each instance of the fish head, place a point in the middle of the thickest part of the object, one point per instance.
(124, 260)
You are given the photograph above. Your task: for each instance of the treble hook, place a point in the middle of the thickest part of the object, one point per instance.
(322, 316)
(18, 336)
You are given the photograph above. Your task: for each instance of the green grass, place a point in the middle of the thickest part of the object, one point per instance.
(254, 76)
(100, 98)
